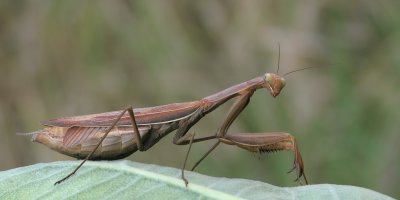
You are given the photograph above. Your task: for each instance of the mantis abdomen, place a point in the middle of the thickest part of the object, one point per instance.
(119, 143)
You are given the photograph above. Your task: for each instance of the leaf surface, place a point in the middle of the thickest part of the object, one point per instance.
(131, 180)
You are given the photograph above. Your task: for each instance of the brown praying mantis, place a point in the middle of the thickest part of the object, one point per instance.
(118, 134)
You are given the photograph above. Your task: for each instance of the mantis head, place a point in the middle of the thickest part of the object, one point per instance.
(274, 83)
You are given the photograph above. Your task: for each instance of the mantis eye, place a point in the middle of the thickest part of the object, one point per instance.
(268, 77)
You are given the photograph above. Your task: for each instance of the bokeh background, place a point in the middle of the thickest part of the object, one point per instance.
(65, 58)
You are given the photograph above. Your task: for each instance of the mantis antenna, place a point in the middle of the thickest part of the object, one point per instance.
(279, 59)
(279, 56)
(297, 70)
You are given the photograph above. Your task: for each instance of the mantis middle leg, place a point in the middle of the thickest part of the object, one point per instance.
(234, 111)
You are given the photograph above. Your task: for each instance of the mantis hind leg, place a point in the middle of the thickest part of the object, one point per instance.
(135, 131)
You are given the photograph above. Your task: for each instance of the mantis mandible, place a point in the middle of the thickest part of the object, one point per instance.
(118, 134)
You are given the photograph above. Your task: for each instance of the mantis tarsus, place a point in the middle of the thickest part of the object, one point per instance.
(115, 135)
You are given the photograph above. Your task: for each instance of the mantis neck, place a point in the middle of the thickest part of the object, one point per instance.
(234, 91)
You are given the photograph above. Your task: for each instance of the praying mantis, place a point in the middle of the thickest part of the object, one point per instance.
(118, 134)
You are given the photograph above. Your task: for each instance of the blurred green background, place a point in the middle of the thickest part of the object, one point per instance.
(65, 58)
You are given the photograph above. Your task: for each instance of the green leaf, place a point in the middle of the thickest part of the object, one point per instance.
(130, 180)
